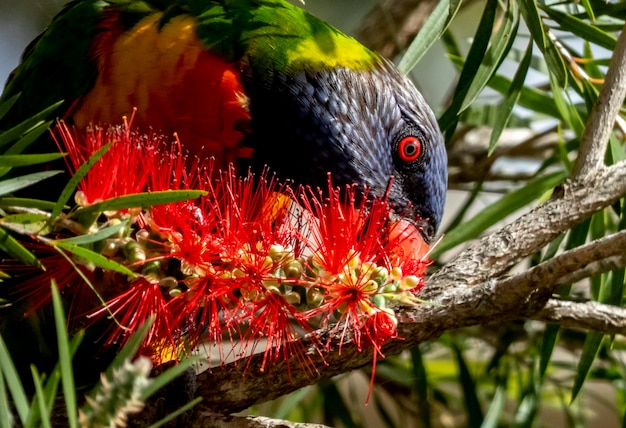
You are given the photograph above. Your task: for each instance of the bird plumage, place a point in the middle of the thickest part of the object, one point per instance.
(251, 82)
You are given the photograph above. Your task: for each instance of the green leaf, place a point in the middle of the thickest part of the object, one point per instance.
(65, 358)
(40, 399)
(9, 202)
(553, 59)
(143, 200)
(18, 183)
(25, 160)
(93, 257)
(512, 96)
(472, 403)
(420, 386)
(26, 223)
(71, 185)
(176, 413)
(170, 374)
(590, 350)
(531, 98)
(6, 105)
(95, 237)
(18, 130)
(131, 347)
(24, 142)
(568, 112)
(5, 411)
(433, 28)
(13, 382)
(587, 32)
(497, 211)
(471, 66)
(15, 249)
(499, 45)
(496, 408)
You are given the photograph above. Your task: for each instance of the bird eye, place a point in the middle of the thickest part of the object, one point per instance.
(409, 148)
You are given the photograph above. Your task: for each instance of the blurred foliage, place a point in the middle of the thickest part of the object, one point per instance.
(516, 374)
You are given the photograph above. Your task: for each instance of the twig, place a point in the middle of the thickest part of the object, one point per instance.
(602, 118)
(573, 260)
(494, 254)
(584, 315)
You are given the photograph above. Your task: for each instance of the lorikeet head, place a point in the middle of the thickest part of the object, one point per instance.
(362, 126)
(230, 76)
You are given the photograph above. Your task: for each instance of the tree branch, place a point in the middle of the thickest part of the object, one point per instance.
(602, 118)
(584, 316)
(573, 260)
(572, 203)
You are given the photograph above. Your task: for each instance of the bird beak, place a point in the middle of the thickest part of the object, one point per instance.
(407, 241)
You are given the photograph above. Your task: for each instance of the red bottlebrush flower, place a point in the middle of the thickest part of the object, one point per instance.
(379, 327)
(272, 317)
(253, 257)
(35, 282)
(131, 309)
(123, 170)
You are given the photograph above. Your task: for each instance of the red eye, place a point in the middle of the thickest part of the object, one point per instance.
(409, 149)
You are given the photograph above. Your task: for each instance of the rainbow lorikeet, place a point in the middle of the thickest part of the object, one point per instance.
(248, 82)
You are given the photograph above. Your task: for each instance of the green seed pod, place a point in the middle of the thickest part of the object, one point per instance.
(314, 297)
(152, 267)
(134, 252)
(169, 282)
(292, 298)
(294, 270)
(390, 288)
(378, 301)
(174, 292)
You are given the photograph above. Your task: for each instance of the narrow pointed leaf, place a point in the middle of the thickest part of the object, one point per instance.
(65, 358)
(432, 30)
(43, 415)
(143, 200)
(15, 249)
(13, 382)
(472, 403)
(471, 66)
(14, 184)
(6, 105)
(499, 46)
(95, 237)
(25, 160)
(5, 412)
(590, 350)
(506, 109)
(18, 130)
(95, 258)
(71, 185)
(589, 33)
(7, 202)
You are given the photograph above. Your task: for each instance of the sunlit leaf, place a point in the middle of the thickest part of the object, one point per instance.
(18, 183)
(591, 347)
(93, 257)
(15, 249)
(142, 200)
(432, 30)
(471, 65)
(510, 100)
